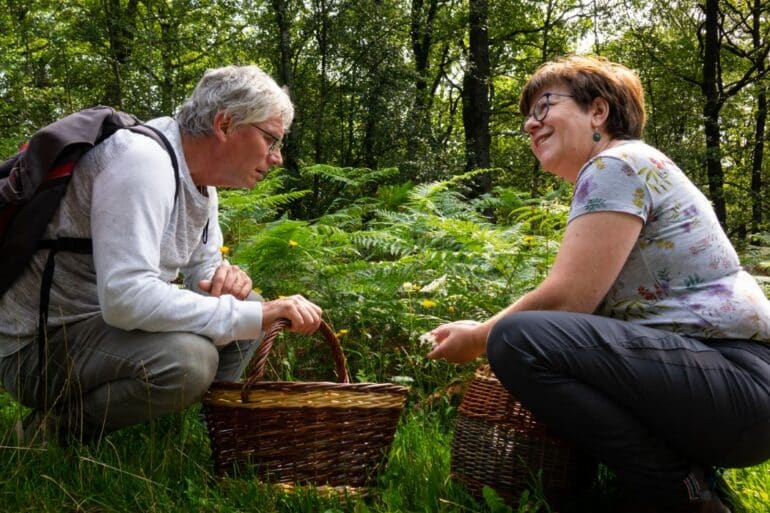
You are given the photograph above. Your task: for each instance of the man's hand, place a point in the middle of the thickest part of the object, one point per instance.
(305, 316)
(227, 279)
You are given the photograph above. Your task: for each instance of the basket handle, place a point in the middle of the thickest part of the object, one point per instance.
(256, 368)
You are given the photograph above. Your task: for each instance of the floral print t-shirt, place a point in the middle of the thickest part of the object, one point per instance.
(683, 273)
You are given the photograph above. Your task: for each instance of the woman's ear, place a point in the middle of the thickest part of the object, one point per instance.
(221, 126)
(600, 111)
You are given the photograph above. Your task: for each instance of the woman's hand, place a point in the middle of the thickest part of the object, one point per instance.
(227, 279)
(459, 341)
(304, 315)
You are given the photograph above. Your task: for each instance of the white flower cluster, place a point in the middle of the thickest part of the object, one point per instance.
(429, 340)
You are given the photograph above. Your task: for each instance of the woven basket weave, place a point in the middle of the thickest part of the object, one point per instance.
(498, 443)
(318, 433)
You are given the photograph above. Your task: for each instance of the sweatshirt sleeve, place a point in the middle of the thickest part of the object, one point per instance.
(133, 198)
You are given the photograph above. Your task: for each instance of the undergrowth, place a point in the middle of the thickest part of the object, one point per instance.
(387, 262)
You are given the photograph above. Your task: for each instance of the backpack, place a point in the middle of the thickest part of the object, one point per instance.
(32, 184)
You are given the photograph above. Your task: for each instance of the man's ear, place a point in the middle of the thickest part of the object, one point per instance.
(222, 126)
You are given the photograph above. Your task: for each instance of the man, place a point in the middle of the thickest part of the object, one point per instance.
(125, 344)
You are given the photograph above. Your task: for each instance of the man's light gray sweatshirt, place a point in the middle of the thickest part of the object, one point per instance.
(122, 197)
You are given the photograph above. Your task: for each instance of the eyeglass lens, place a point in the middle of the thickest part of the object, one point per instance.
(541, 107)
(539, 111)
(275, 143)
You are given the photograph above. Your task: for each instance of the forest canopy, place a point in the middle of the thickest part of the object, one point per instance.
(428, 87)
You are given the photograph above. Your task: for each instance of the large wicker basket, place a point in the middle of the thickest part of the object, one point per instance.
(318, 433)
(498, 443)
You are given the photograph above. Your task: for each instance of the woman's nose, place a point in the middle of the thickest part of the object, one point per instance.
(529, 124)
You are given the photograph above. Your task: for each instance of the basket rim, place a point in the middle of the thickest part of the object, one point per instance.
(317, 385)
(288, 394)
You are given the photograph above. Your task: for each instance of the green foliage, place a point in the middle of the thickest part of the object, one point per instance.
(387, 268)
(378, 85)
(242, 211)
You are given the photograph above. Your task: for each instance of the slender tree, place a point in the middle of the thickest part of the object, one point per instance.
(759, 37)
(717, 37)
(286, 77)
(711, 106)
(422, 31)
(121, 26)
(476, 94)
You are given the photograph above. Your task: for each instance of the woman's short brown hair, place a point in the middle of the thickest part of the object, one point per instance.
(589, 78)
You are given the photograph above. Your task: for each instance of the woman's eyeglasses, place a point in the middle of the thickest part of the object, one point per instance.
(540, 110)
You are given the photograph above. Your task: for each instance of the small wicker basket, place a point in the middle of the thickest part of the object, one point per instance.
(318, 433)
(498, 443)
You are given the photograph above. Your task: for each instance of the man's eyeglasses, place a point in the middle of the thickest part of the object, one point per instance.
(540, 110)
(275, 145)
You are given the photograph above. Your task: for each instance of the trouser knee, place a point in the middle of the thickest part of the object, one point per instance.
(191, 364)
(517, 347)
(514, 334)
(507, 350)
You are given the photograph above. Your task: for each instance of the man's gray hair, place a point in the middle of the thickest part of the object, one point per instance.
(245, 93)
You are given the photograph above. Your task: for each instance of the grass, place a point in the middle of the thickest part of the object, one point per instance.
(165, 468)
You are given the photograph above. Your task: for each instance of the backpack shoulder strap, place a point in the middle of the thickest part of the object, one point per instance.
(82, 246)
(160, 138)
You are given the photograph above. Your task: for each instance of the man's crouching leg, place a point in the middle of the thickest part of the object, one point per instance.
(172, 373)
(100, 378)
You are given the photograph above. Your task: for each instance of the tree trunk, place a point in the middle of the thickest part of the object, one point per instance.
(372, 137)
(421, 33)
(759, 131)
(322, 40)
(476, 96)
(711, 109)
(121, 25)
(545, 50)
(286, 78)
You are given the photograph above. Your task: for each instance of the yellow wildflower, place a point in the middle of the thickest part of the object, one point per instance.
(293, 243)
(224, 250)
(428, 303)
(341, 332)
(451, 309)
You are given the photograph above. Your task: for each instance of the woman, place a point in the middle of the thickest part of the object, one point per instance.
(646, 345)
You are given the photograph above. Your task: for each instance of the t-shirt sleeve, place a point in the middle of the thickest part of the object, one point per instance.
(608, 184)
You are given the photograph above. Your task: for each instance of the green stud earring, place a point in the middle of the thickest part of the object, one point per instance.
(597, 136)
